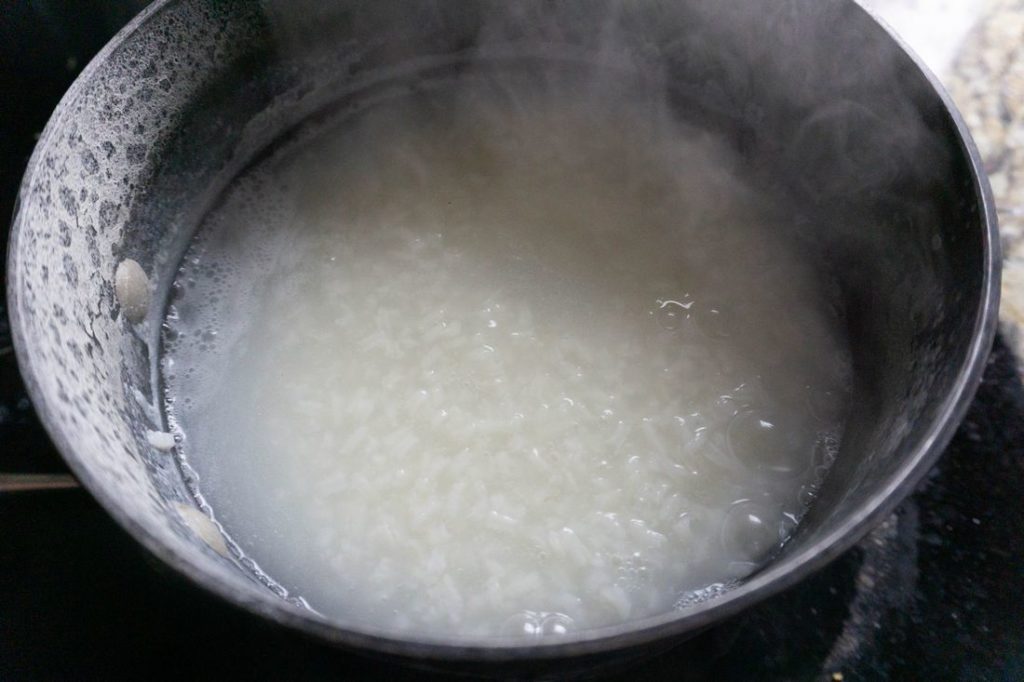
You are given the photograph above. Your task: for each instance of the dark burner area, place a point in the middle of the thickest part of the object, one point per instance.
(935, 593)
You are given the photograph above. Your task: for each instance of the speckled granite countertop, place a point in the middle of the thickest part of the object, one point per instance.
(987, 82)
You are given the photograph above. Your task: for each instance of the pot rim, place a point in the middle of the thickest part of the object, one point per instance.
(771, 580)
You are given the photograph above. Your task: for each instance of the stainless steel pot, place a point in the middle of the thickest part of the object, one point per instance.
(818, 95)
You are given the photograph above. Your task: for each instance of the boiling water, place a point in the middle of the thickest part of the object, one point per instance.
(473, 366)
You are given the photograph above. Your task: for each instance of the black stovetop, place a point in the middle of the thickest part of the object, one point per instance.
(936, 592)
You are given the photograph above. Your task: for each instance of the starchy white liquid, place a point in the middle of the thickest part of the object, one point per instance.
(467, 366)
